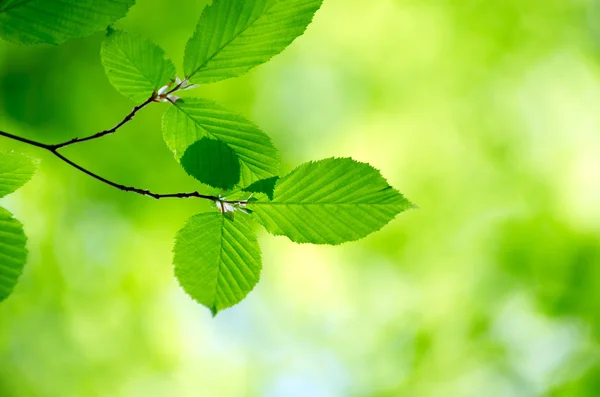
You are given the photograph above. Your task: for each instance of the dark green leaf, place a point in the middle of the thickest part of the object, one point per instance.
(56, 21)
(212, 162)
(265, 186)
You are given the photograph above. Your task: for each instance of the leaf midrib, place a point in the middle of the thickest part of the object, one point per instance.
(139, 70)
(214, 303)
(319, 203)
(248, 26)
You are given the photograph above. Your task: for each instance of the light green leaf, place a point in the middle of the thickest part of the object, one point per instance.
(233, 36)
(13, 253)
(191, 119)
(15, 170)
(56, 21)
(213, 163)
(217, 260)
(330, 202)
(135, 66)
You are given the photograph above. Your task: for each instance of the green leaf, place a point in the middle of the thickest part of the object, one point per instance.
(233, 36)
(135, 66)
(264, 186)
(217, 260)
(13, 252)
(15, 170)
(191, 119)
(330, 202)
(56, 21)
(212, 162)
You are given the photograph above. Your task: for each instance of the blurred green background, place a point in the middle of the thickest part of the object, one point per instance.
(484, 113)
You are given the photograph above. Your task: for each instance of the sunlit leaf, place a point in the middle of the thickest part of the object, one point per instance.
(56, 21)
(15, 170)
(135, 66)
(330, 202)
(13, 253)
(217, 259)
(191, 119)
(234, 36)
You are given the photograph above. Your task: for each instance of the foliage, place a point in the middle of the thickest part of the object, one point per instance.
(56, 21)
(217, 259)
(134, 65)
(216, 255)
(234, 36)
(15, 171)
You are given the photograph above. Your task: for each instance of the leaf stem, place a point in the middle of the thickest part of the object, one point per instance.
(54, 150)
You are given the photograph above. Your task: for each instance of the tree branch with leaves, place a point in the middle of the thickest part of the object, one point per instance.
(216, 255)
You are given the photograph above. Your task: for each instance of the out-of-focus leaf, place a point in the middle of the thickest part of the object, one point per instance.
(15, 170)
(13, 252)
(56, 21)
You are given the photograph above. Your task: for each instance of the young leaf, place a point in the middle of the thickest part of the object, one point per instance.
(212, 162)
(56, 21)
(191, 119)
(330, 202)
(15, 170)
(13, 253)
(233, 36)
(217, 259)
(135, 66)
(265, 186)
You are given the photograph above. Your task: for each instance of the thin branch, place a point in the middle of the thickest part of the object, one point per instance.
(100, 134)
(124, 188)
(25, 140)
(54, 150)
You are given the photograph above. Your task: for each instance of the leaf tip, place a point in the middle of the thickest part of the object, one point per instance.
(214, 311)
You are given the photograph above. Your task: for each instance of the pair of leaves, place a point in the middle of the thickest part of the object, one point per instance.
(56, 21)
(332, 201)
(217, 258)
(231, 37)
(15, 171)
